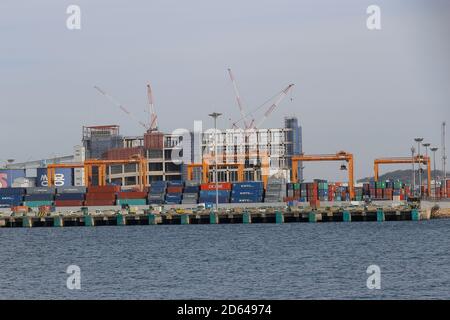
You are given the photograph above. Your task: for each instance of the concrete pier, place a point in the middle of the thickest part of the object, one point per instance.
(150, 217)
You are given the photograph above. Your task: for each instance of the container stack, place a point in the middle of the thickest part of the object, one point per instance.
(102, 195)
(39, 196)
(174, 193)
(157, 192)
(190, 192)
(398, 193)
(312, 191)
(322, 190)
(11, 197)
(275, 190)
(132, 198)
(208, 192)
(70, 196)
(247, 192)
(293, 192)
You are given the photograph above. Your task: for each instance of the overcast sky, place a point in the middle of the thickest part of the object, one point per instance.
(367, 92)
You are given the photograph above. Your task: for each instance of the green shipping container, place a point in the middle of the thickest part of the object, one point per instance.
(36, 204)
(296, 186)
(132, 202)
(381, 185)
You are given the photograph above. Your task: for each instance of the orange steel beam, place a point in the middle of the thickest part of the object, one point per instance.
(404, 160)
(340, 156)
(208, 160)
(102, 164)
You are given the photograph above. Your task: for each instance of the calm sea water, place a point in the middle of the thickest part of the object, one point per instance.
(289, 261)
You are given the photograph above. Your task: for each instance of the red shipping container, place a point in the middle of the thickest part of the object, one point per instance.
(448, 184)
(100, 196)
(69, 203)
(103, 189)
(100, 203)
(131, 195)
(212, 186)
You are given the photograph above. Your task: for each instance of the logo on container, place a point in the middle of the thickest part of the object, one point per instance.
(59, 180)
(3, 180)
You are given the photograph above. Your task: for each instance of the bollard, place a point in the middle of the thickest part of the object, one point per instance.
(27, 222)
(415, 215)
(380, 215)
(279, 217)
(246, 218)
(213, 218)
(121, 221)
(58, 221)
(89, 221)
(185, 219)
(347, 217)
(312, 217)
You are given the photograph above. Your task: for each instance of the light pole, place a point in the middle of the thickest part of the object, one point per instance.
(419, 140)
(434, 149)
(215, 115)
(426, 145)
(413, 180)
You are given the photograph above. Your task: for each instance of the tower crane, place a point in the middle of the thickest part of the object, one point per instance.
(152, 126)
(238, 99)
(279, 98)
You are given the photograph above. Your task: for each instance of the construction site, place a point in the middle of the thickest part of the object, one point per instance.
(245, 170)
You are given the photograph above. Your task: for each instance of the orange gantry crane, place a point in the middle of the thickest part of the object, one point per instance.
(238, 162)
(88, 165)
(339, 156)
(404, 160)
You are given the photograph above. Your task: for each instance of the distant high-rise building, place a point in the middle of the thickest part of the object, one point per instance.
(295, 137)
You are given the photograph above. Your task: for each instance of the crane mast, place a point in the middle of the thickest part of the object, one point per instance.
(153, 117)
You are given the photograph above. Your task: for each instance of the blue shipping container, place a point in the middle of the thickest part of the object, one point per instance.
(9, 176)
(63, 177)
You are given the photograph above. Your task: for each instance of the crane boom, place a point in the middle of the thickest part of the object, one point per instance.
(280, 98)
(238, 98)
(153, 117)
(120, 106)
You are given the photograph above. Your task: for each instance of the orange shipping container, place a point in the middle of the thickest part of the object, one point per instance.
(174, 189)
